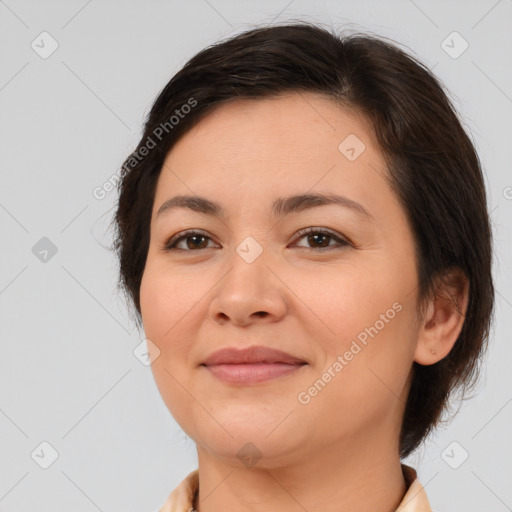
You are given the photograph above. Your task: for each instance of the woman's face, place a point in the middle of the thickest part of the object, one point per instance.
(341, 299)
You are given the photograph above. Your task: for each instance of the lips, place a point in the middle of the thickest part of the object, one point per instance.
(252, 365)
(254, 354)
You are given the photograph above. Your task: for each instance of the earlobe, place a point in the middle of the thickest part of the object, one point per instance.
(444, 319)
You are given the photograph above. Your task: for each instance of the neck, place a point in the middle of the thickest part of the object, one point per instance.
(332, 479)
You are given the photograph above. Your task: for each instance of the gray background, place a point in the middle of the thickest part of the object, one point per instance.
(68, 374)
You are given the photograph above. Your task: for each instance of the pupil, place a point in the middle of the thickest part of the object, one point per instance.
(193, 244)
(316, 236)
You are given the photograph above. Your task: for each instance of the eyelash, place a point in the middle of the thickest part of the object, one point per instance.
(170, 245)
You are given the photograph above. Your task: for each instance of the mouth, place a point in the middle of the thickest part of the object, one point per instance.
(252, 373)
(252, 365)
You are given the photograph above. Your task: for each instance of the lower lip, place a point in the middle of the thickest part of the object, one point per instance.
(252, 373)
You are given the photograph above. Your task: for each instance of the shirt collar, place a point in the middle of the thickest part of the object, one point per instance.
(414, 500)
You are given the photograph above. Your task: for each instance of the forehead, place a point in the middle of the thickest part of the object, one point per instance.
(250, 150)
(296, 126)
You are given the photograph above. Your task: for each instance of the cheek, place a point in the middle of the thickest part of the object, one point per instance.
(164, 306)
(364, 378)
(166, 298)
(363, 327)
(174, 307)
(341, 301)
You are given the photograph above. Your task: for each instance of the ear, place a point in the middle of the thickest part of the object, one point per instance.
(444, 318)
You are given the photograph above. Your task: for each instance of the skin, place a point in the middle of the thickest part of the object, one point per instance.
(340, 450)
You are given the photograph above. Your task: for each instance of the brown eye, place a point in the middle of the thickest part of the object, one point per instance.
(188, 241)
(322, 239)
(319, 238)
(196, 242)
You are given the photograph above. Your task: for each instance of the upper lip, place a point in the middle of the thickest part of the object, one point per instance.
(254, 354)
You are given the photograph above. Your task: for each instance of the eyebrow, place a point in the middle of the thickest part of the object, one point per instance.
(280, 208)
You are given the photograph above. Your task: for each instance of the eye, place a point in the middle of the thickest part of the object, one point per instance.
(320, 238)
(190, 240)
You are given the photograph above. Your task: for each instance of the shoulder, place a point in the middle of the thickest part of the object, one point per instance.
(181, 498)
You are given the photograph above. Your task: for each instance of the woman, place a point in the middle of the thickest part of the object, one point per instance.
(304, 235)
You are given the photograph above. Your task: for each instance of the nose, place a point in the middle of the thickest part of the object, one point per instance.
(248, 293)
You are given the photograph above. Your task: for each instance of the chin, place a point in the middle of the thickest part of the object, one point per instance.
(249, 451)
(272, 447)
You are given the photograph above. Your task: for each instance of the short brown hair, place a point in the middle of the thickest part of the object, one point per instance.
(433, 168)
